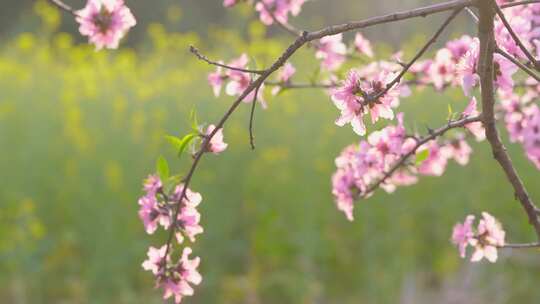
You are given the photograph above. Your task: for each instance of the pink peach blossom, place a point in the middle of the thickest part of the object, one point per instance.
(331, 50)
(490, 235)
(216, 144)
(463, 234)
(475, 128)
(362, 45)
(105, 22)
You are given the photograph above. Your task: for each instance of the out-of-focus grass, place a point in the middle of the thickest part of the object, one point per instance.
(79, 130)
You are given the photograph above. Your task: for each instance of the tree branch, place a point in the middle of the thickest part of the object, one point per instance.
(252, 114)
(420, 142)
(64, 7)
(521, 246)
(292, 85)
(529, 56)
(196, 52)
(517, 63)
(485, 70)
(414, 13)
(517, 3)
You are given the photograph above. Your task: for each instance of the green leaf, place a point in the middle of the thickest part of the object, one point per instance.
(180, 144)
(184, 142)
(421, 156)
(194, 120)
(450, 112)
(174, 141)
(162, 167)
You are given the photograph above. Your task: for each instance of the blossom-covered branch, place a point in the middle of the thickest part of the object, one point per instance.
(419, 143)
(486, 72)
(517, 63)
(517, 40)
(384, 159)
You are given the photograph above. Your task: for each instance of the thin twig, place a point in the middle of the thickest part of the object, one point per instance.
(472, 14)
(519, 246)
(529, 56)
(486, 73)
(516, 3)
(291, 85)
(431, 41)
(517, 63)
(64, 7)
(252, 114)
(196, 52)
(420, 142)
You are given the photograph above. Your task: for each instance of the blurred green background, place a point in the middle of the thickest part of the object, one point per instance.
(79, 130)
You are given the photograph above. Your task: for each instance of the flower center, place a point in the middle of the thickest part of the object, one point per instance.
(103, 20)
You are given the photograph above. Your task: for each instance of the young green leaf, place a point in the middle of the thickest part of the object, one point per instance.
(174, 141)
(194, 120)
(421, 156)
(162, 167)
(184, 142)
(450, 112)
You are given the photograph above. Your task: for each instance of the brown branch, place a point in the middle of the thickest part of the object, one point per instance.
(516, 3)
(196, 52)
(529, 56)
(420, 142)
(486, 72)
(431, 41)
(252, 114)
(520, 246)
(292, 85)
(517, 63)
(414, 13)
(64, 7)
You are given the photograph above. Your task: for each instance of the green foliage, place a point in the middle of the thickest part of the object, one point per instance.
(162, 168)
(180, 144)
(421, 156)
